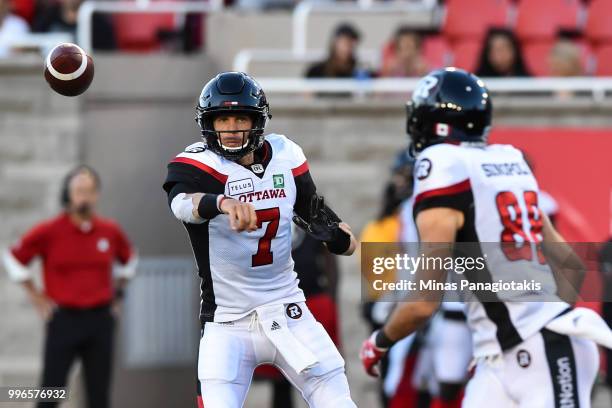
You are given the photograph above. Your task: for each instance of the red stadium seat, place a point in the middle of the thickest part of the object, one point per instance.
(24, 8)
(536, 56)
(598, 28)
(139, 32)
(603, 55)
(470, 19)
(436, 52)
(466, 54)
(541, 20)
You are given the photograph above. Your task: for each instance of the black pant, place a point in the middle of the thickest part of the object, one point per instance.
(607, 315)
(87, 334)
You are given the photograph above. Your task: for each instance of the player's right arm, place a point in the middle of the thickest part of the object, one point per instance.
(16, 261)
(242, 216)
(567, 267)
(195, 195)
(442, 197)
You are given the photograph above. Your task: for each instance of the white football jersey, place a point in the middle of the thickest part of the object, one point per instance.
(498, 194)
(242, 271)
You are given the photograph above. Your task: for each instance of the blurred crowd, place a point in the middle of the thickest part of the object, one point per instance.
(497, 44)
(405, 54)
(128, 32)
(20, 17)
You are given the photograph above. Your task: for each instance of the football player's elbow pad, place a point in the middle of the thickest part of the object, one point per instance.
(340, 244)
(182, 208)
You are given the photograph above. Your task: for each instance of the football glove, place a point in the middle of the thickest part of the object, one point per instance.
(370, 355)
(324, 223)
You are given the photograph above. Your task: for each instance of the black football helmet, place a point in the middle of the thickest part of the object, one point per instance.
(448, 105)
(235, 93)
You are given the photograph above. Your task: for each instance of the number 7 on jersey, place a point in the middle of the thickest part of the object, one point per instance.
(264, 255)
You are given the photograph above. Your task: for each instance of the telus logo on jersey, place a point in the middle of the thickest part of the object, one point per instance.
(263, 195)
(240, 186)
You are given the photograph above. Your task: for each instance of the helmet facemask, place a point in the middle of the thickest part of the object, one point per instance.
(252, 138)
(419, 137)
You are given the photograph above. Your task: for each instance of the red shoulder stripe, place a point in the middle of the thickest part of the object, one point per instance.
(219, 176)
(450, 190)
(301, 169)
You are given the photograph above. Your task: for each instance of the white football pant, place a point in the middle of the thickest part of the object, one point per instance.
(547, 370)
(229, 353)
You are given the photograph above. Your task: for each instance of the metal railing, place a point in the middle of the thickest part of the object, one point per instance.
(43, 42)
(89, 7)
(160, 313)
(597, 87)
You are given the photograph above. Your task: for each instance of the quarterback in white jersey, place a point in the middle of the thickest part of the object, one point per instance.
(237, 194)
(468, 191)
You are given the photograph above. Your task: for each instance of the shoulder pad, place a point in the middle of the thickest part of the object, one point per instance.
(198, 147)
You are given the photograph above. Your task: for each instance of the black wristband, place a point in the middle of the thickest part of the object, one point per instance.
(340, 244)
(207, 208)
(382, 340)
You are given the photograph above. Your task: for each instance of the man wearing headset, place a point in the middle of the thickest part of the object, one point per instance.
(80, 296)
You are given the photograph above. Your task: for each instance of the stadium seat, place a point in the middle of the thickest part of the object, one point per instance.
(466, 54)
(436, 52)
(598, 28)
(603, 56)
(24, 8)
(541, 20)
(470, 19)
(537, 57)
(140, 32)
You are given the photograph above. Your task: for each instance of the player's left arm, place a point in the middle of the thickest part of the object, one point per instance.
(343, 241)
(567, 267)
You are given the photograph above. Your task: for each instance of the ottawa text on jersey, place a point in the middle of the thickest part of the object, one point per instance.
(494, 287)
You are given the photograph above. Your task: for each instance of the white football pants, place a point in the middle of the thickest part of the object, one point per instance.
(229, 353)
(547, 370)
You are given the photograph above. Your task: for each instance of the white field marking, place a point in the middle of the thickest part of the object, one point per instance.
(75, 74)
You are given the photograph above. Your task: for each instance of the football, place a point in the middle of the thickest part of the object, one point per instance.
(69, 70)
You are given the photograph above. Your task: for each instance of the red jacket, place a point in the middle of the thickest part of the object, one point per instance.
(77, 262)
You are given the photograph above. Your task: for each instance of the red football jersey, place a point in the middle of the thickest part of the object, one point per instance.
(77, 261)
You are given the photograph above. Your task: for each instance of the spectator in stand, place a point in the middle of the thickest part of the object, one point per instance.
(61, 17)
(501, 55)
(564, 59)
(403, 55)
(342, 60)
(11, 28)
